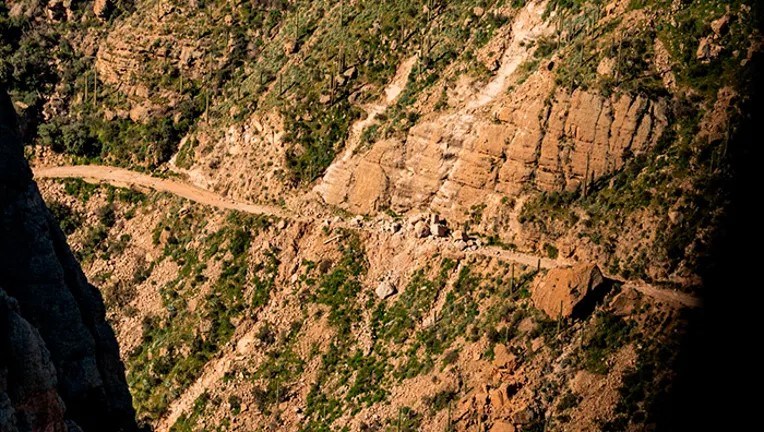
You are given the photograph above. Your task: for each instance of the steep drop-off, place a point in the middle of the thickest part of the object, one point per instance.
(59, 361)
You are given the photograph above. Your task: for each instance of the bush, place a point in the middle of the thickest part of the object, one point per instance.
(551, 251)
(440, 400)
(609, 333)
(67, 218)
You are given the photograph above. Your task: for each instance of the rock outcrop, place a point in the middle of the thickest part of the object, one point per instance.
(59, 361)
(568, 291)
(540, 138)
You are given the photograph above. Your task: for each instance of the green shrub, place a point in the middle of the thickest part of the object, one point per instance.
(440, 400)
(606, 335)
(551, 251)
(68, 219)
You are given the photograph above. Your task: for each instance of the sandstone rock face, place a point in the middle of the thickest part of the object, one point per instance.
(59, 361)
(540, 138)
(565, 291)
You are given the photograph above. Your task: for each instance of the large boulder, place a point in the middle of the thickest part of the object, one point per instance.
(569, 291)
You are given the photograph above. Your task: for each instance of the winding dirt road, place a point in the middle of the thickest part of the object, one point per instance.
(131, 179)
(125, 178)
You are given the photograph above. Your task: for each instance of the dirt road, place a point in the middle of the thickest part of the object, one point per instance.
(126, 178)
(131, 179)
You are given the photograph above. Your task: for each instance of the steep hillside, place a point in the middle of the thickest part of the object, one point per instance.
(391, 215)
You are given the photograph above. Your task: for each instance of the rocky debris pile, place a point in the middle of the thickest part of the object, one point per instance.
(569, 291)
(500, 397)
(709, 47)
(423, 226)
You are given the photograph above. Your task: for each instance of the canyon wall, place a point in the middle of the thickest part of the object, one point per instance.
(59, 361)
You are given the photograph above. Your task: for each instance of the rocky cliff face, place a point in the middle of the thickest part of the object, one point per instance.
(59, 363)
(539, 138)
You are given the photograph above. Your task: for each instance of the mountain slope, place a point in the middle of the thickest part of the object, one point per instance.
(393, 215)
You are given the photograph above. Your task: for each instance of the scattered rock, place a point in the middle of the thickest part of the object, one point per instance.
(707, 49)
(421, 230)
(460, 244)
(720, 26)
(324, 99)
(605, 66)
(394, 227)
(290, 47)
(625, 302)
(503, 359)
(385, 289)
(478, 11)
(523, 415)
(438, 230)
(350, 73)
(498, 397)
(537, 344)
(340, 80)
(139, 113)
(460, 235)
(568, 291)
(165, 236)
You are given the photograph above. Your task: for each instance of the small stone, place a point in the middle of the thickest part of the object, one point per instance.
(720, 25)
(460, 244)
(324, 99)
(707, 49)
(523, 415)
(101, 8)
(421, 230)
(478, 11)
(385, 290)
(503, 359)
(537, 343)
(438, 230)
(460, 235)
(290, 47)
(350, 73)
